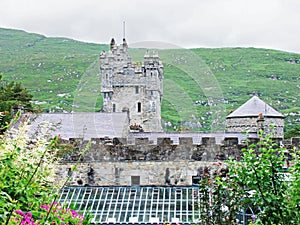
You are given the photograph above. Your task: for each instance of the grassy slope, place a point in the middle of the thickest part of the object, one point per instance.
(56, 70)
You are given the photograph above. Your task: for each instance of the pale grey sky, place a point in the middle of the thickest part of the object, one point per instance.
(187, 23)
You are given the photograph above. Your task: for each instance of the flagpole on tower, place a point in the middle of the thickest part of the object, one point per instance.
(125, 46)
(123, 29)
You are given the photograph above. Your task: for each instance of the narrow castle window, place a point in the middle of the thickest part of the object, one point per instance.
(136, 89)
(114, 107)
(196, 180)
(153, 107)
(139, 107)
(135, 180)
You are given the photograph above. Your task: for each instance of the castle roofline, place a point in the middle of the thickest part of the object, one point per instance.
(85, 124)
(253, 108)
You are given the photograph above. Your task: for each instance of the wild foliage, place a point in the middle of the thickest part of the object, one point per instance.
(27, 184)
(219, 198)
(258, 181)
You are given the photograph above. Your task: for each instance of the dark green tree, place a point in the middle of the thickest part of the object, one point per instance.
(293, 132)
(12, 95)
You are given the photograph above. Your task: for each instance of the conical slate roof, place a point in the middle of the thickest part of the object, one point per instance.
(253, 107)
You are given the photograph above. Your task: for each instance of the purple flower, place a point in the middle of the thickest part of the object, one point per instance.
(74, 213)
(253, 217)
(20, 212)
(44, 207)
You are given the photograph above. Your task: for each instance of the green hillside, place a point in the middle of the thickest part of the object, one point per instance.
(201, 86)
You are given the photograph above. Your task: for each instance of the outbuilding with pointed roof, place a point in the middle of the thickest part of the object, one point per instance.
(254, 115)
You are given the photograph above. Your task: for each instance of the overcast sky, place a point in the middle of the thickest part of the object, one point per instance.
(187, 23)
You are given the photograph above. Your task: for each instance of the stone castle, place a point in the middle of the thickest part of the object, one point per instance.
(128, 146)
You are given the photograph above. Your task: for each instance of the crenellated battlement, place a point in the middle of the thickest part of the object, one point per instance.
(163, 161)
(164, 148)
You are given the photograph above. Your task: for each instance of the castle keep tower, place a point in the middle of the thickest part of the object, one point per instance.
(132, 87)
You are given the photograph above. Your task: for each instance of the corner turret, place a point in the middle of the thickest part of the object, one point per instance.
(112, 44)
(125, 46)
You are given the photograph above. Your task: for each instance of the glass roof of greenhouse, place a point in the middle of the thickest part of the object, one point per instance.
(133, 205)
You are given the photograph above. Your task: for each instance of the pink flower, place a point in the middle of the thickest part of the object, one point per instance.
(74, 213)
(44, 207)
(20, 212)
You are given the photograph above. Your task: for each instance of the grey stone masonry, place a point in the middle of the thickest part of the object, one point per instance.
(121, 173)
(132, 87)
(114, 162)
(164, 149)
(143, 149)
(253, 124)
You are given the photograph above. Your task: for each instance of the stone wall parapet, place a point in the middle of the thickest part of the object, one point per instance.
(163, 149)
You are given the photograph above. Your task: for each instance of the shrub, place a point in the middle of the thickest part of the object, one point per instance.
(219, 197)
(261, 172)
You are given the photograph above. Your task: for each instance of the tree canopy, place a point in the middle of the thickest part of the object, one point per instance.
(12, 95)
(294, 132)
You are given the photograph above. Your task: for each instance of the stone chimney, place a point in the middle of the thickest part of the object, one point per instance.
(260, 123)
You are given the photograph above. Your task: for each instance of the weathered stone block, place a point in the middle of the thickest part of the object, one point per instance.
(141, 141)
(186, 141)
(207, 141)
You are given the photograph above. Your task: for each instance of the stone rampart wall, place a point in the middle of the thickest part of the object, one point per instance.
(143, 149)
(113, 162)
(121, 173)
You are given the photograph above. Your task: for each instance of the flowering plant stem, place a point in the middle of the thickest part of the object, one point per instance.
(26, 186)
